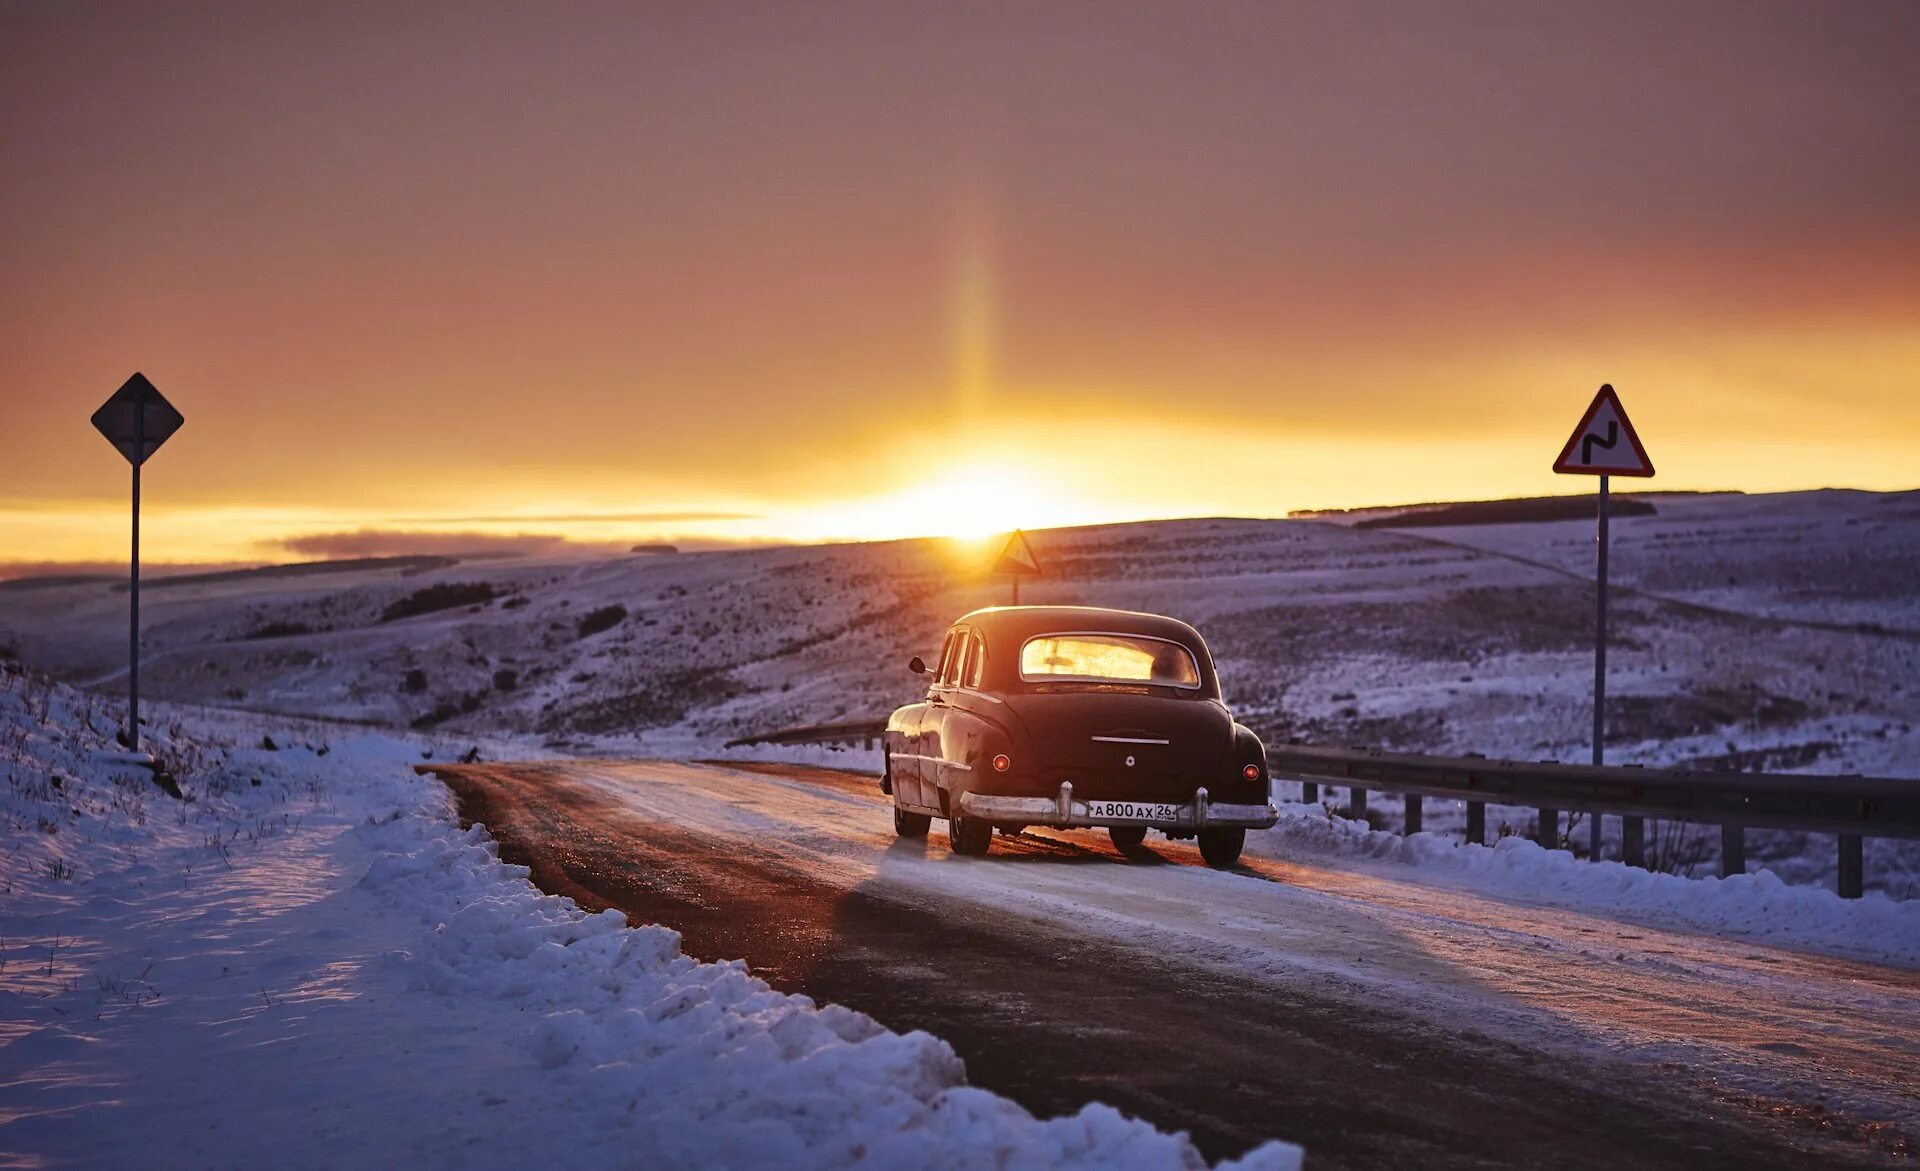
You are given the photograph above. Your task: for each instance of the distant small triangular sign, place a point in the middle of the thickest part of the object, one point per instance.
(1604, 444)
(1017, 558)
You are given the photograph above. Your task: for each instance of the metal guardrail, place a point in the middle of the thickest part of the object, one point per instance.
(862, 732)
(1850, 807)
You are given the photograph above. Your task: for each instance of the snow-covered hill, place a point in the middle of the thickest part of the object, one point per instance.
(1778, 632)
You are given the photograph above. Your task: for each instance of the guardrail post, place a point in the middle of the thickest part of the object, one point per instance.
(1310, 792)
(1852, 867)
(1633, 841)
(1476, 823)
(1413, 813)
(1357, 803)
(1733, 849)
(1547, 833)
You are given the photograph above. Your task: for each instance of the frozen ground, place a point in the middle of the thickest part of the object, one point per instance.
(302, 961)
(1773, 632)
(1837, 556)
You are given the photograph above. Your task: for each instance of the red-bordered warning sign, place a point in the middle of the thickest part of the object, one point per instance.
(1017, 558)
(1604, 444)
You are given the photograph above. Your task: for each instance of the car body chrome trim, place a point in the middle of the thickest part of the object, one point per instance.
(1130, 739)
(1068, 811)
(965, 768)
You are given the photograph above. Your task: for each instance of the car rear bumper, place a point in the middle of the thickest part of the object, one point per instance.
(1067, 810)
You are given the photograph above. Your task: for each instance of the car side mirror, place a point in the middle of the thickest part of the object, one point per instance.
(917, 665)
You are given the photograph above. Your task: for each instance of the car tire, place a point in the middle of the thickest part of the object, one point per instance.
(910, 825)
(1127, 837)
(969, 836)
(1221, 847)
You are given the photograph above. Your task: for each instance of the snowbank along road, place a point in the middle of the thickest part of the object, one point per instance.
(1376, 1021)
(303, 962)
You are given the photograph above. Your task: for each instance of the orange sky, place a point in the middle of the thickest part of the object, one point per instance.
(862, 271)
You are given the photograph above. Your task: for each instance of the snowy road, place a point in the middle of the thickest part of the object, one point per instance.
(1377, 1021)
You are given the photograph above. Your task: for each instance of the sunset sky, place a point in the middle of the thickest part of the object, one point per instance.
(621, 272)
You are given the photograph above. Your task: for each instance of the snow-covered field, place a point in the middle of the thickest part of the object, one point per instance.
(302, 961)
(1774, 632)
(1836, 556)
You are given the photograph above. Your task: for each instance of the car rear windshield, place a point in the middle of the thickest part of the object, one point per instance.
(1107, 658)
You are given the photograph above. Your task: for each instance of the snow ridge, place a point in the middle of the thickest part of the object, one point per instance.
(660, 1040)
(1759, 906)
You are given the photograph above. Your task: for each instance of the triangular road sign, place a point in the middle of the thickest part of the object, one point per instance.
(1604, 444)
(137, 419)
(1017, 558)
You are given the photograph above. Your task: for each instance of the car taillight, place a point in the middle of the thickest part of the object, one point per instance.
(1251, 772)
(1001, 763)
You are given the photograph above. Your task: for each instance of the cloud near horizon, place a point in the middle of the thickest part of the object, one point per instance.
(411, 542)
(402, 542)
(563, 518)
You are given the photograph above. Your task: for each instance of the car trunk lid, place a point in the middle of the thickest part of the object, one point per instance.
(1124, 744)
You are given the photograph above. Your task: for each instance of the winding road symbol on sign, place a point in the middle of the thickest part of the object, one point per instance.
(1586, 444)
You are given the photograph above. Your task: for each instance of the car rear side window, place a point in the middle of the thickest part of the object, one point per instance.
(953, 670)
(1107, 658)
(965, 659)
(976, 662)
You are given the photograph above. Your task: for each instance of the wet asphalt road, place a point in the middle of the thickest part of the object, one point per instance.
(1055, 1018)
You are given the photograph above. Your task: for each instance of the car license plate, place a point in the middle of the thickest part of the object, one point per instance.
(1133, 810)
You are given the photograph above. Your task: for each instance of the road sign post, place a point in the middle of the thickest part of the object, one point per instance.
(1603, 445)
(133, 596)
(137, 419)
(1599, 660)
(1017, 561)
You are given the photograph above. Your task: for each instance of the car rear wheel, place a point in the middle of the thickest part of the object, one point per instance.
(1221, 847)
(1127, 837)
(910, 825)
(969, 836)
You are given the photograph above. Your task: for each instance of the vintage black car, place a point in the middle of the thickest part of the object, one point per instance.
(1075, 716)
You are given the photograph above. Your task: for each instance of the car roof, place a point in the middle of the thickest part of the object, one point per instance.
(1023, 622)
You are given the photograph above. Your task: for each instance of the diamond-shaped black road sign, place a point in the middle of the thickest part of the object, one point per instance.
(137, 419)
